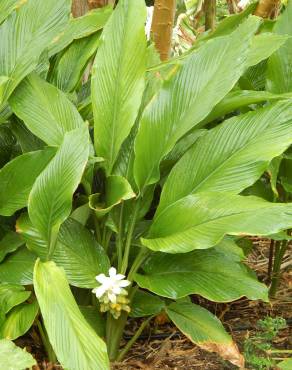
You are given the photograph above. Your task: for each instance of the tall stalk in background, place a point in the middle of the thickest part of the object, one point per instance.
(162, 23)
(210, 14)
(267, 8)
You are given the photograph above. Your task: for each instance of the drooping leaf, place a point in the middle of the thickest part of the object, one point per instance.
(279, 72)
(50, 200)
(9, 243)
(201, 220)
(25, 34)
(241, 98)
(18, 177)
(76, 251)
(117, 189)
(66, 73)
(45, 110)
(188, 97)
(80, 27)
(231, 156)
(210, 273)
(17, 268)
(205, 330)
(118, 78)
(75, 343)
(15, 358)
(146, 304)
(19, 320)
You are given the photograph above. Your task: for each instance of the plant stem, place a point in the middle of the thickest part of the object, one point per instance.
(210, 14)
(271, 256)
(45, 339)
(138, 261)
(161, 28)
(279, 254)
(129, 238)
(114, 332)
(280, 351)
(125, 350)
(120, 238)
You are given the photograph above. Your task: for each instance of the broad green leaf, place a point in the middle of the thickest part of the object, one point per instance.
(118, 78)
(263, 46)
(11, 295)
(45, 110)
(75, 343)
(188, 97)
(279, 72)
(15, 358)
(80, 27)
(7, 6)
(214, 275)
(50, 200)
(201, 220)
(241, 98)
(146, 304)
(76, 251)
(117, 189)
(232, 156)
(66, 73)
(9, 243)
(80, 255)
(18, 177)
(205, 330)
(25, 34)
(94, 318)
(19, 320)
(17, 268)
(285, 365)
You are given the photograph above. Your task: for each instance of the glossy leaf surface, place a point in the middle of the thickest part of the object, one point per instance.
(118, 78)
(232, 156)
(188, 97)
(45, 110)
(217, 276)
(19, 320)
(205, 330)
(75, 343)
(279, 72)
(201, 220)
(25, 34)
(50, 200)
(18, 177)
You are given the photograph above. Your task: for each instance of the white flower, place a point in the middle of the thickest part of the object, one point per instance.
(111, 286)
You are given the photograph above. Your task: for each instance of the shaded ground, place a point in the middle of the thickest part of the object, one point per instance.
(163, 347)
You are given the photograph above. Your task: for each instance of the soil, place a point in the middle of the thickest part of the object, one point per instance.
(162, 347)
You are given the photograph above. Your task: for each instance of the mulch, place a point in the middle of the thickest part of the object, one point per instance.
(162, 347)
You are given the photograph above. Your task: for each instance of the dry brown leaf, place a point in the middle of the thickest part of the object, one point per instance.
(229, 352)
